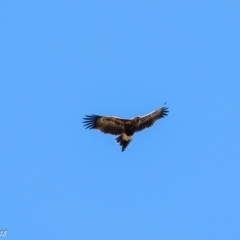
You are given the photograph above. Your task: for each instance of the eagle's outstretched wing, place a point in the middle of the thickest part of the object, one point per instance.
(149, 119)
(111, 125)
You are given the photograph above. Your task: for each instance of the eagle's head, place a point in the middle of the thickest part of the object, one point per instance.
(136, 121)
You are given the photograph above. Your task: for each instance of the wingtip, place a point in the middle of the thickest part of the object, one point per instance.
(89, 121)
(165, 110)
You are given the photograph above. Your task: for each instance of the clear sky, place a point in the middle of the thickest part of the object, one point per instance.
(60, 60)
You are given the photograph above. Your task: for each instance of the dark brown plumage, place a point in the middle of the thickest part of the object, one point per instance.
(123, 127)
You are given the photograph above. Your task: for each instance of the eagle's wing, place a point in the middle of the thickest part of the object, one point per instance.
(111, 125)
(149, 119)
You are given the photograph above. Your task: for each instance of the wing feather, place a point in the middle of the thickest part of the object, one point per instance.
(110, 125)
(149, 119)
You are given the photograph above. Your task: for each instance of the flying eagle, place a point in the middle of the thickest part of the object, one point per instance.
(123, 127)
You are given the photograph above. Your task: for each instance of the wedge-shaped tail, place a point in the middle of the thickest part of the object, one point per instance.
(123, 142)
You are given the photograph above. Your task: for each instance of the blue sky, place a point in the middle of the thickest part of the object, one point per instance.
(64, 59)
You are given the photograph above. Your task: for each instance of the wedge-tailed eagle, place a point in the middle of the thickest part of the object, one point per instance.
(123, 127)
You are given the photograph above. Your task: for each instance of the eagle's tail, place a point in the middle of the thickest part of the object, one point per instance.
(123, 140)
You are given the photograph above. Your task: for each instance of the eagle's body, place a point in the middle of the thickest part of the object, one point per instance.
(123, 127)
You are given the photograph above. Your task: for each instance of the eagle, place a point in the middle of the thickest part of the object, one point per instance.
(123, 127)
